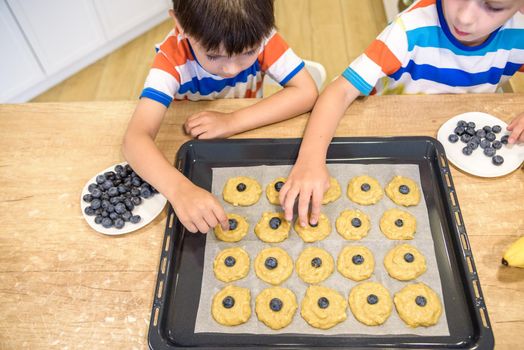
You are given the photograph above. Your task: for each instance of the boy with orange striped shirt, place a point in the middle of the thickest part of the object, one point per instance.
(218, 49)
(435, 46)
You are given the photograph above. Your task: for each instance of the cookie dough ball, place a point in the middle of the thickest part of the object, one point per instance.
(353, 224)
(273, 265)
(364, 190)
(333, 193)
(314, 265)
(405, 262)
(370, 303)
(403, 191)
(418, 305)
(232, 306)
(356, 263)
(242, 190)
(398, 224)
(272, 227)
(273, 190)
(276, 306)
(323, 307)
(237, 229)
(231, 264)
(314, 233)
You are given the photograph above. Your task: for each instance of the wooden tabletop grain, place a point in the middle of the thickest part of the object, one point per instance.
(63, 285)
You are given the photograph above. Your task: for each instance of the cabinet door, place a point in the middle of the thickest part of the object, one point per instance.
(120, 16)
(59, 31)
(19, 69)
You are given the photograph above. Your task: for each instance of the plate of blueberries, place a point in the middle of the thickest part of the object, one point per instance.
(477, 143)
(118, 201)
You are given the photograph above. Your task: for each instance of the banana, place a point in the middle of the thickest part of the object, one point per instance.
(514, 256)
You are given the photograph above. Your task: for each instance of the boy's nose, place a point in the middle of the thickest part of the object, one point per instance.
(231, 69)
(467, 13)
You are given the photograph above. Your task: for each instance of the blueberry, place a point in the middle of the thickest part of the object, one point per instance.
(313, 225)
(471, 125)
(104, 196)
(271, 263)
(129, 205)
(420, 300)
(365, 187)
(453, 138)
(107, 184)
(98, 211)
(113, 191)
(100, 179)
(274, 223)
(496, 129)
(470, 131)
(357, 259)
(475, 139)
(496, 144)
(278, 186)
(107, 222)
(104, 204)
(323, 303)
(136, 182)
(485, 143)
(135, 191)
(122, 189)
(136, 200)
(110, 175)
(96, 203)
(113, 216)
(459, 130)
(481, 133)
(504, 139)
(119, 168)
(120, 208)
(467, 151)
(145, 191)
(489, 151)
(127, 216)
(87, 197)
(241, 187)
(462, 123)
(403, 189)
(491, 136)
(89, 211)
(98, 219)
(119, 223)
(96, 193)
(275, 304)
(91, 187)
(465, 138)
(399, 223)
(104, 213)
(233, 224)
(228, 302)
(497, 160)
(316, 262)
(372, 299)
(487, 128)
(135, 219)
(355, 222)
(230, 261)
(473, 145)
(408, 257)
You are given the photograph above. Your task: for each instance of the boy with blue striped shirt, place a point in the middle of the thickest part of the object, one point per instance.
(435, 46)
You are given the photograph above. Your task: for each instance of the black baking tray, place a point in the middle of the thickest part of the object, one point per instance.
(177, 291)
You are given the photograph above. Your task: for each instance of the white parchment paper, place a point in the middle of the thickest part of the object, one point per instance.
(334, 243)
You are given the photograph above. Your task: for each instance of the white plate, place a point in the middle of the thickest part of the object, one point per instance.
(148, 210)
(477, 163)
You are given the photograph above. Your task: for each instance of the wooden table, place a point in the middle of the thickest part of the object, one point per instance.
(63, 285)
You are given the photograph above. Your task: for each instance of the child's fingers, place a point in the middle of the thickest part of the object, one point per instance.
(516, 133)
(289, 202)
(201, 224)
(221, 216)
(210, 219)
(189, 226)
(197, 131)
(316, 203)
(283, 191)
(303, 206)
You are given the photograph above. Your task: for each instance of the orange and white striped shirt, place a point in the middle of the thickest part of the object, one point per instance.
(176, 73)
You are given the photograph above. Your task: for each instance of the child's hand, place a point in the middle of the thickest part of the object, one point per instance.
(209, 125)
(307, 181)
(517, 129)
(197, 209)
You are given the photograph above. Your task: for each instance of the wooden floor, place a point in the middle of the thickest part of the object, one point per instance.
(332, 32)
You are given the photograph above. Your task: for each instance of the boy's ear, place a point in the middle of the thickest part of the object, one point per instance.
(178, 27)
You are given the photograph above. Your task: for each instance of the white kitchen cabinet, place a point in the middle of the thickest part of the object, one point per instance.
(19, 68)
(119, 16)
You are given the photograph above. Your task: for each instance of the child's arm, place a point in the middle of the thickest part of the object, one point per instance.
(196, 208)
(297, 97)
(309, 177)
(517, 129)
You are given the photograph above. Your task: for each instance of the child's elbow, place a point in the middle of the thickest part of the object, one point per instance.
(310, 95)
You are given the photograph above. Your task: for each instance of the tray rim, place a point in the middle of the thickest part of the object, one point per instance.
(472, 289)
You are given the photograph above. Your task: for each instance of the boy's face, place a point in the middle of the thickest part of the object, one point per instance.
(472, 21)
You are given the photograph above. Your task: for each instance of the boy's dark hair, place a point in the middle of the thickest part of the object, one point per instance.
(237, 25)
